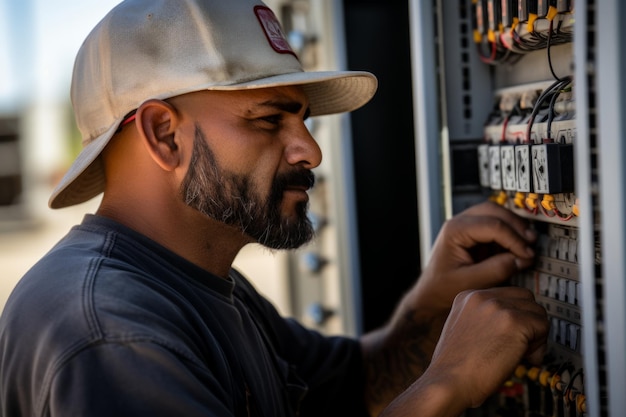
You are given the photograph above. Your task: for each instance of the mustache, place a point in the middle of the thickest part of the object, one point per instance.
(299, 178)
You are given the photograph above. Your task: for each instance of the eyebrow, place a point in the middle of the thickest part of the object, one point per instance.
(292, 107)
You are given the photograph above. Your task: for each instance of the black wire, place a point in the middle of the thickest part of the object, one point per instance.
(548, 49)
(576, 374)
(551, 114)
(555, 86)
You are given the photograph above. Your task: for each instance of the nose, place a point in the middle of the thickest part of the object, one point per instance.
(302, 148)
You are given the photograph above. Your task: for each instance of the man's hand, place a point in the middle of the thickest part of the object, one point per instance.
(479, 248)
(487, 334)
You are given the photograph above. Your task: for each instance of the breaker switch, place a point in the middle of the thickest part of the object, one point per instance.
(495, 174)
(555, 330)
(574, 336)
(561, 285)
(553, 168)
(572, 292)
(483, 165)
(553, 287)
(507, 164)
(523, 168)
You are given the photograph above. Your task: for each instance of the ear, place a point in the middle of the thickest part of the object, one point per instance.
(156, 123)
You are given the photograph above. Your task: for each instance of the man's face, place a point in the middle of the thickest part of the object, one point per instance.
(251, 176)
(234, 200)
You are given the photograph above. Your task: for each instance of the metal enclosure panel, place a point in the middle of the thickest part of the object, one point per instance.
(427, 120)
(611, 93)
(341, 154)
(586, 253)
(466, 78)
(600, 175)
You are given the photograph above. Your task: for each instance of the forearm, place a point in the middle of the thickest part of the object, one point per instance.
(399, 353)
(426, 397)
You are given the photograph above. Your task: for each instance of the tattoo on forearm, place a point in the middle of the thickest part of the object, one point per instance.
(400, 358)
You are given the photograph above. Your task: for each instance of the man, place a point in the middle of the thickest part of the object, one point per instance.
(192, 114)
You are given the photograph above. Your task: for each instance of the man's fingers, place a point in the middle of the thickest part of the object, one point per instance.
(467, 232)
(497, 268)
(490, 209)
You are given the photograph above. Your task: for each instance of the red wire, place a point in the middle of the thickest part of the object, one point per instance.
(504, 125)
(507, 46)
(491, 58)
(562, 217)
(546, 213)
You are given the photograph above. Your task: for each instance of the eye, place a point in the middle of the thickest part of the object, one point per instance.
(273, 119)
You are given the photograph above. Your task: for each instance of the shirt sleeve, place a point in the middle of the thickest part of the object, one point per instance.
(137, 379)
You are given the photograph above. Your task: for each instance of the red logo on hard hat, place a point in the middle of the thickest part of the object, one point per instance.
(273, 30)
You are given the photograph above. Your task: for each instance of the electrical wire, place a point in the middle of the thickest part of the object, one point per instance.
(549, 44)
(531, 40)
(564, 217)
(551, 114)
(547, 213)
(554, 87)
(568, 387)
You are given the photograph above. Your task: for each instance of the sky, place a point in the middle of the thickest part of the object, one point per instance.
(38, 42)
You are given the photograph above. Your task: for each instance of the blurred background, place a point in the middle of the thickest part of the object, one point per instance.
(38, 138)
(38, 42)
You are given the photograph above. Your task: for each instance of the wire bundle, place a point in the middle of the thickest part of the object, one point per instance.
(508, 45)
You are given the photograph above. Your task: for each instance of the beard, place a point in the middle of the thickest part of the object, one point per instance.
(231, 199)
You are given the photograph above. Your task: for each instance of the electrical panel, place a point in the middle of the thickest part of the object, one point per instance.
(530, 135)
(534, 75)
